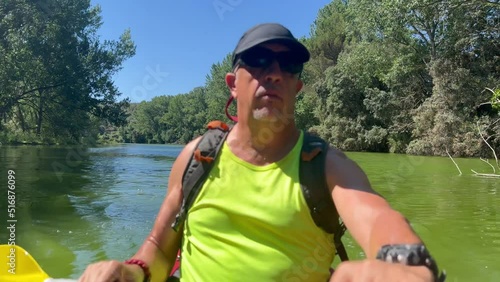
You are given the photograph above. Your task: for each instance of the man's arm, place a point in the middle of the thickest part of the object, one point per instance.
(372, 223)
(159, 250)
(367, 215)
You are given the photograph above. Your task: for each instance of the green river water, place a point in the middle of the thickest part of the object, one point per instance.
(76, 206)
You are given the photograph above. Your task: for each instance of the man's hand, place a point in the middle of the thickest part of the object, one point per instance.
(112, 271)
(380, 271)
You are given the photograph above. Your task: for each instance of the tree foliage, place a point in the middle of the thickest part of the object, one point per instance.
(56, 74)
(389, 76)
(409, 76)
(384, 75)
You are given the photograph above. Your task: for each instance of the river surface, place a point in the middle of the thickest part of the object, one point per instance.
(76, 206)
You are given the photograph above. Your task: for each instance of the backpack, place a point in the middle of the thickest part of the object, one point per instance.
(311, 174)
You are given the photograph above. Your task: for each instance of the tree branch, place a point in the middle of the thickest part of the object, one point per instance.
(488, 162)
(493, 150)
(43, 88)
(420, 34)
(485, 174)
(453, 161)
(482, 104)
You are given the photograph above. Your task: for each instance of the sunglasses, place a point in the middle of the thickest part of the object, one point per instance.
(260, 57)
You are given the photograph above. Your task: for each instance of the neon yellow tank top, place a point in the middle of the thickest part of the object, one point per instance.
(251, 223)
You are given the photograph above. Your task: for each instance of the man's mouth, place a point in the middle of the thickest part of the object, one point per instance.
(270, 95)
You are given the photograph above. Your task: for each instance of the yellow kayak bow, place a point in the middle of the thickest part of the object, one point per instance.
(17, 265)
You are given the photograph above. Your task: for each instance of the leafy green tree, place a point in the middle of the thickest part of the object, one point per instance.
(145, 121)
(185, 117)
(216, 90)
(386, 76)
(56, 72)
(328, 36)
(382, 84)
(495, 99)
(305, 106)
(195, 114)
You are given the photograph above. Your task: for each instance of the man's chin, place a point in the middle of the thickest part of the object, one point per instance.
(266, 114)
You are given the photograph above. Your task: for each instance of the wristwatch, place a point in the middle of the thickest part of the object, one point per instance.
(411, 254)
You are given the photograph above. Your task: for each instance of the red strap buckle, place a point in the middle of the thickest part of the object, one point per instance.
(218, 124)
(308, 156)
(199, 158)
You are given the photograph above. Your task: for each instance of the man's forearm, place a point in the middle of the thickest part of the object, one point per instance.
(159, 263)
(390, 227)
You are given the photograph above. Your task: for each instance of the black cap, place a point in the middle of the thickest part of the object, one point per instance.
(270, 32)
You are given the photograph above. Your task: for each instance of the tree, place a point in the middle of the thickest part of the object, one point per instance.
(216, 90)
(185, 117)
(428, 37)
(495, 99)
(56, 72)
(328, 36)
(385, 76)
(446, 120)
(145, 124)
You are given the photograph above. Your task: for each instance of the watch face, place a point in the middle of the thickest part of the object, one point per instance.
(410, 254)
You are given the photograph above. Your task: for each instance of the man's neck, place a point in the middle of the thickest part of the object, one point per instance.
(262, 143)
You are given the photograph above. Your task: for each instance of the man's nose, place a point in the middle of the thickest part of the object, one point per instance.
(273, 72)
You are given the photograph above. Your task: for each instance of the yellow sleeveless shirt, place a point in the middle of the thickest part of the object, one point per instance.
(251, 223)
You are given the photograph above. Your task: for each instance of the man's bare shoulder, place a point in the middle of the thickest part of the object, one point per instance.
(191, 145)
(345, 173)
(180, 164)
(337, 161)
(334, 152)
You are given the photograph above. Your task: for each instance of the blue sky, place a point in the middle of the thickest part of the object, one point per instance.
(178, 41)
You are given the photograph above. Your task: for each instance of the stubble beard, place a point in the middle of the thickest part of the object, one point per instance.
(265, 114)
(272, 115)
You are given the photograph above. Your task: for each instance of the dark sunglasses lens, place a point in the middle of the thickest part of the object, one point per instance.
(263, 58)
(257, 58)
(289, 63)
(291, 67)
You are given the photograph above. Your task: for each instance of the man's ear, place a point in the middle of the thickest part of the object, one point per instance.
(231, 83)
(299, 86)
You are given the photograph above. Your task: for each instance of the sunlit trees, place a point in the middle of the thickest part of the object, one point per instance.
(55, 72)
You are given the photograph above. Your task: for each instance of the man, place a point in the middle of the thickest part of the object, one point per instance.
(250, 222)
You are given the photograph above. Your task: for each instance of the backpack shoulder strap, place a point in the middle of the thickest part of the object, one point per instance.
(316, 192)
(198, 168)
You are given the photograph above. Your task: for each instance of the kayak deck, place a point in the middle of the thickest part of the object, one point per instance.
(17, 265)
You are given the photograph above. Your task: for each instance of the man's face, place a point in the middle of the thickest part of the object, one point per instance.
(265, 86)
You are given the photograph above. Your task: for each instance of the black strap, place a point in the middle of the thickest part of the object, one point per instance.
(316, 192)
(339, 246)
(196, 172)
